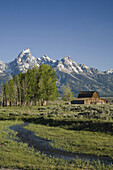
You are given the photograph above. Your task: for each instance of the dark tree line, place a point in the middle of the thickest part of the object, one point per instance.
(36, 85)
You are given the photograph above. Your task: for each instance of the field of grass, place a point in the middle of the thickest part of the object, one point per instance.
(85, 142)
(19, 155)
(84, 129)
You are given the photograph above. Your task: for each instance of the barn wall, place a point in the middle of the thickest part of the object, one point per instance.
(92, 101)
(95, 95)
(88, 101)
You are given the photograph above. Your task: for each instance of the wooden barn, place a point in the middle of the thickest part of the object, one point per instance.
(88, 97)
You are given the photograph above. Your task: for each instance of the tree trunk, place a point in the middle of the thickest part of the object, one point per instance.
(42, 102)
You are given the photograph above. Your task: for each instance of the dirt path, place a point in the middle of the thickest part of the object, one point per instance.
(44, 146)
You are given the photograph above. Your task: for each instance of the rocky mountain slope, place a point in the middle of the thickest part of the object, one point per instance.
(79, 76)
(24, 61)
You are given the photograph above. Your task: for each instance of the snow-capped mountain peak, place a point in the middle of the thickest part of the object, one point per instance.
(109, 71)
(25, 60)
(45, 57)
(26, 51)
(22, 63)
(68, 65)
(67, 58)
(24, 55)
(80, 76)
(46, 60)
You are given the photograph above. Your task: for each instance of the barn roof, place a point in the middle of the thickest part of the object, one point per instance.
(86, 94)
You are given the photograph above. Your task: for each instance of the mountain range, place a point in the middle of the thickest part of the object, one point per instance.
(79, 76)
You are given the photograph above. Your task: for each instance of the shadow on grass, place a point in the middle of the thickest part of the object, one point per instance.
(78, 125)
(93, 126)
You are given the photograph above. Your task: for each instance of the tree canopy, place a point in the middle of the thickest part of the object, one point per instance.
(67, 93)
(37, 84)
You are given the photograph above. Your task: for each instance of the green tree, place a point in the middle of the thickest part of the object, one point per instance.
(37, 84)
(17, 90)
(47, 89)
(67, 93)
(11, 91)
(5, 93)
(31, 89)
(23, 85)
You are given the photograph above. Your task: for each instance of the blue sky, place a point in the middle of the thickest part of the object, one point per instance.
(82, 29)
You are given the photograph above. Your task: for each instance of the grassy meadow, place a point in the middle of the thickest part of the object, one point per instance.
(82, 129)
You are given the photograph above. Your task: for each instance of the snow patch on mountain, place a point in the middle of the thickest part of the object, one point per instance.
(25, 60)
(26, 51)
(26, 57)
(22, 63)
(2, 67)
(109, 71)
(46, 60)
(79, 76)
(69, 66)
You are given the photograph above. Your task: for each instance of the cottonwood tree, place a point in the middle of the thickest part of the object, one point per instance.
(67, 93)
(31, 89)
(11, 91)
(47, 84)
(17, 90)
(37, 84)
(5, 93)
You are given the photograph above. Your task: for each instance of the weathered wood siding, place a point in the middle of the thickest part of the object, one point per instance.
(88, 97)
